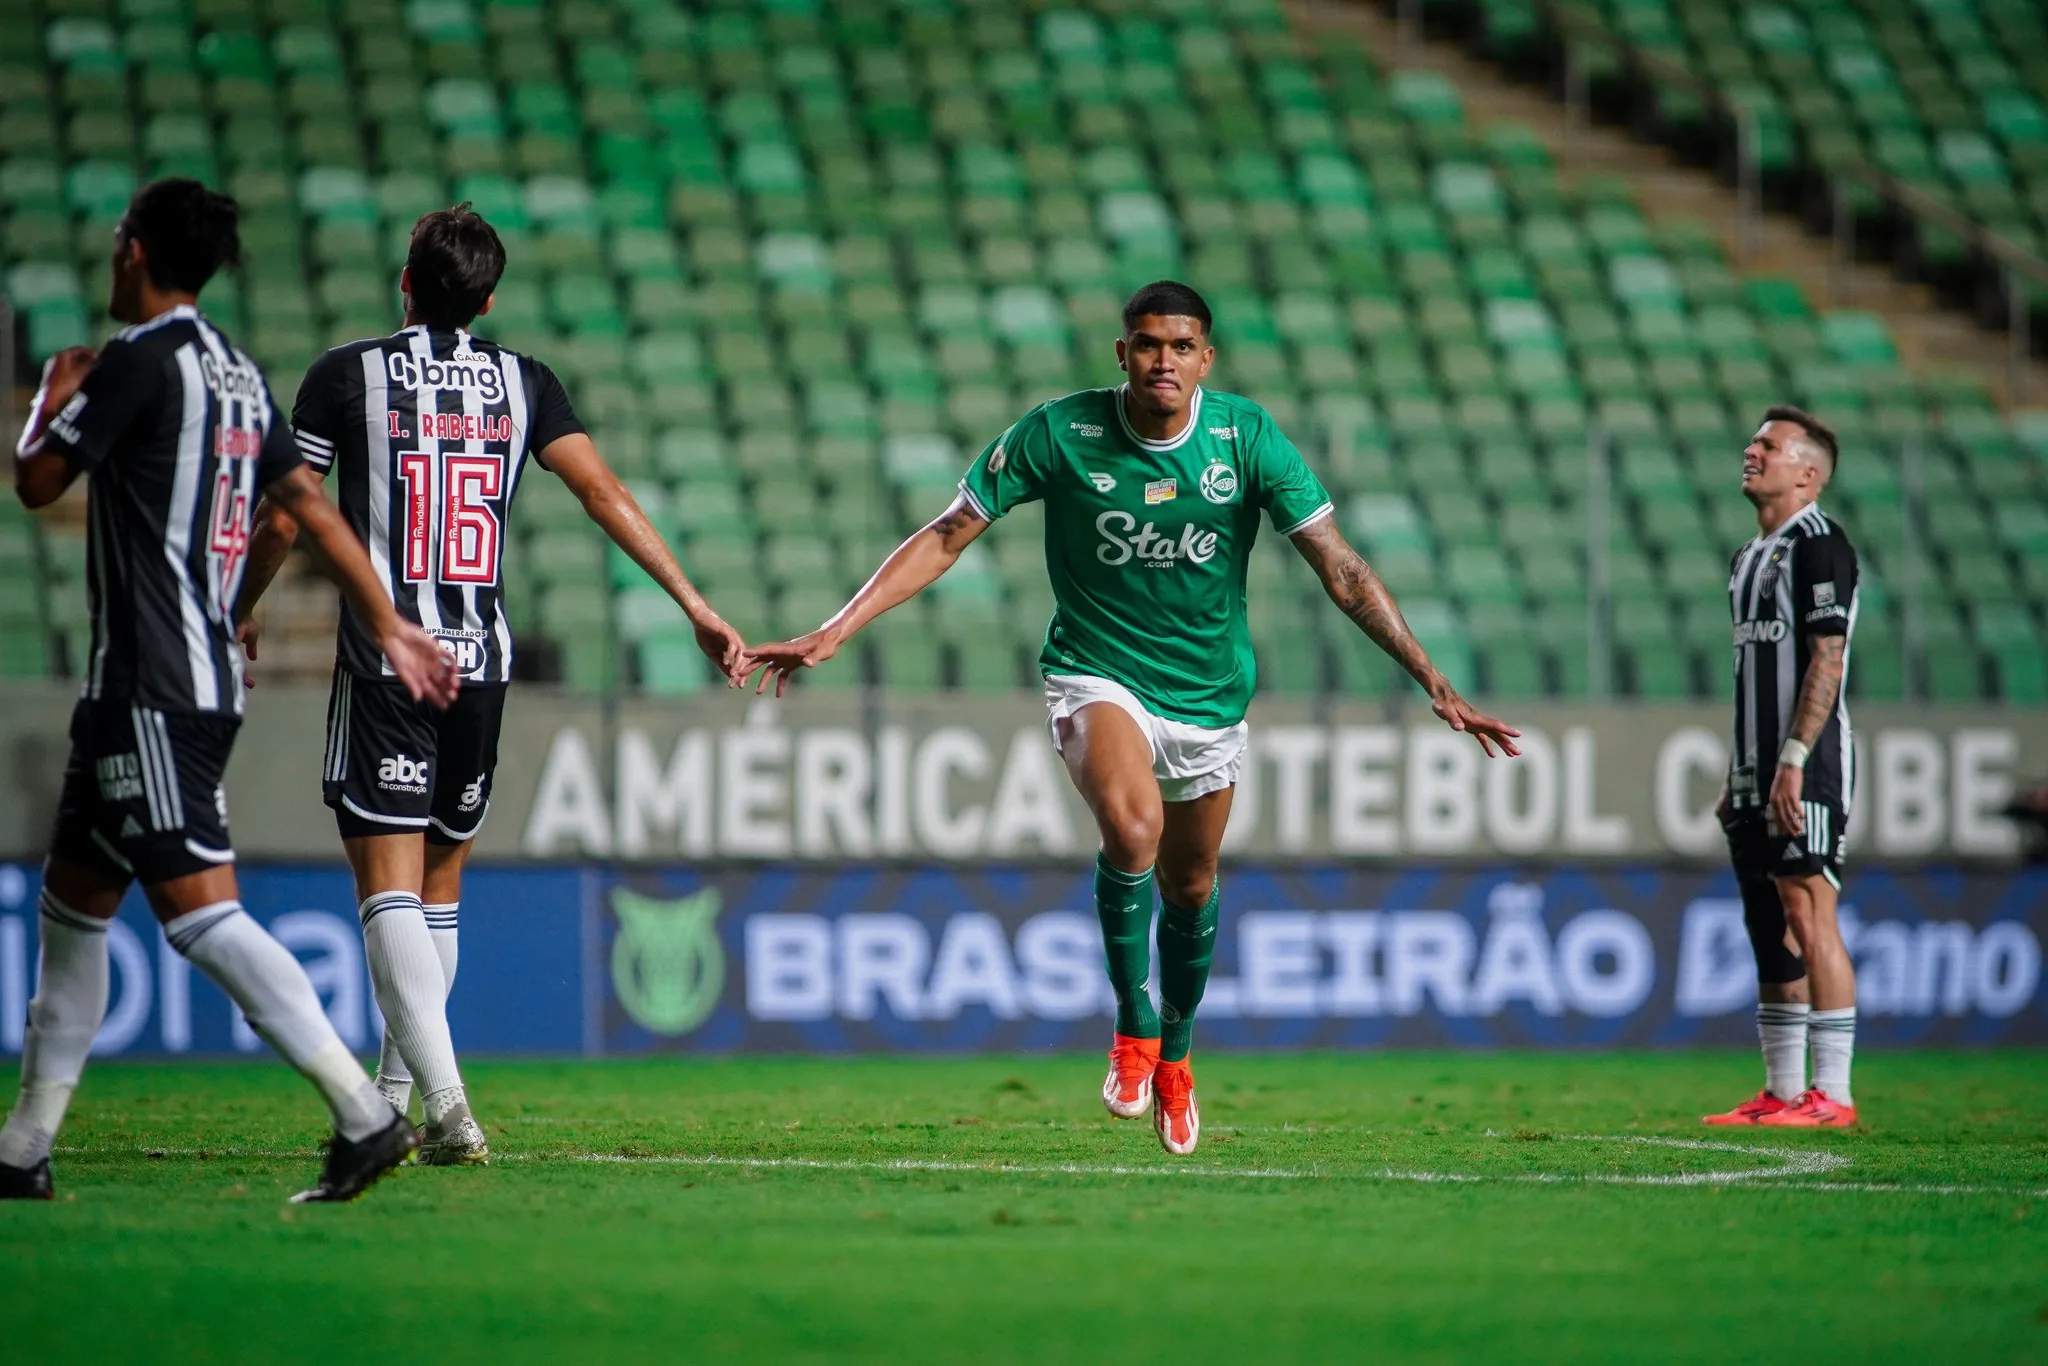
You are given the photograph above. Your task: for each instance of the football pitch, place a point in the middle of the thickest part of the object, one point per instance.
(1399, 1206)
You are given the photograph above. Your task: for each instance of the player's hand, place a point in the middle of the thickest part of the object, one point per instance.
(1785, 804)
(63, 373)
(247, 630)
(1459, 714)
(421, 665)
(1724, 805)
(723, 646)
(785, 657)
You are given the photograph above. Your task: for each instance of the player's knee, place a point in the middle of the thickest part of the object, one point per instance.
(1130, 835)
(1765, 919)
(1189, 887)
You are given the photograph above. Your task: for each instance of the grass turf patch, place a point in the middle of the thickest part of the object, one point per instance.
(1422, 1206)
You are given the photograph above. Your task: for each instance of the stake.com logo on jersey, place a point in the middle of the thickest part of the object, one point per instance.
(1123, 540)
(465, 371)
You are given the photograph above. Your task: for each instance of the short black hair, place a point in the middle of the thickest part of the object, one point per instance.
(455, 261)
(1166, 299)
(1822, 434)
(187, 231)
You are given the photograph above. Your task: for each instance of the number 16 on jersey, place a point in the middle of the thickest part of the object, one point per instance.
(449, 505)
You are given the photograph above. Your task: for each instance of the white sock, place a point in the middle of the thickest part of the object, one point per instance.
(70, 1002)
(405, 969)
(1833, 1036)
(1782, 1028)
(441, 923)
(261, 976)
(394, 1078)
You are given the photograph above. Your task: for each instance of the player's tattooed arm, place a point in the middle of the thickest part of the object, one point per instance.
(910, 569)
(1820, 688)
(1818, 691)
(1361, 595)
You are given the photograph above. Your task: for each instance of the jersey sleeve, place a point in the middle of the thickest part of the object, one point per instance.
(1011, 470)
(122, 385)
(1282, 482)
(1823, 585)
(552, 416)
(321, 409)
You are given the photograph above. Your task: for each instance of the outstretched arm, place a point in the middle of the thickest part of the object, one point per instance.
(272, 540)
(910, 569)
(611, 505)
(1354, 587)
(415, 658)
(1818, 692)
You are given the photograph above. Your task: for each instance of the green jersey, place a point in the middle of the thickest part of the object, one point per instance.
(1147, 541)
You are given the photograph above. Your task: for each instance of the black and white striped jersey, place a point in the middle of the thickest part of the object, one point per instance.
(429, 432)
(177, 430)
(1787, 588)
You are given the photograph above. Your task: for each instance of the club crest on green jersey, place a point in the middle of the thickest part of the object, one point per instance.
(1219, 482)
(668, 967)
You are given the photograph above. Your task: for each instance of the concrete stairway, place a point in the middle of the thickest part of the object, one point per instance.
(1930, 336)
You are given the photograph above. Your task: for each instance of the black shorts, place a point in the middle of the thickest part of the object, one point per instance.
(142, 792)
(1761, 850)
(395, 765)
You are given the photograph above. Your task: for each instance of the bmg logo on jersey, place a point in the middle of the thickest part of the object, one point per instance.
(465, 371)
(234, 380)
(401, 773)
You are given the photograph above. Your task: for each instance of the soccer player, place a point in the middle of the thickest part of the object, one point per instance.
(1791, 772)
(177, 430)
(1153, 494)
(429, 430)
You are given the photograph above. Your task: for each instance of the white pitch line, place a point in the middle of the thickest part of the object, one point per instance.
(1798, 1163)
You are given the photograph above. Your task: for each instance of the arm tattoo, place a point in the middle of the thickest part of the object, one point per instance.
(1819, 689)
(1359, 593)
(955, 519)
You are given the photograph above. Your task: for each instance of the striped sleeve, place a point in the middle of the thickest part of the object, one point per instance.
(322, 407)
(317, 451)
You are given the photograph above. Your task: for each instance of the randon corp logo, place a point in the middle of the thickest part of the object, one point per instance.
(464, 371)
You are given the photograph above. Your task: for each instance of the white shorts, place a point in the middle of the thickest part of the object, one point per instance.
(1189, 761)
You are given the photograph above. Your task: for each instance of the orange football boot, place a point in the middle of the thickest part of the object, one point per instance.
(1175, 1117)
(1751, 1111)
(1815, 1109)
(1127, 1090)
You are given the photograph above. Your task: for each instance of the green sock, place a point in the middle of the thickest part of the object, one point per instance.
(1123, 903)
(1187, 945)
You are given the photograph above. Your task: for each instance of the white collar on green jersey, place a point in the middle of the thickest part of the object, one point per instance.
(1172, 442)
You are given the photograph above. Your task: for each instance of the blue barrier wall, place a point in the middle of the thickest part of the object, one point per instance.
(608, 960)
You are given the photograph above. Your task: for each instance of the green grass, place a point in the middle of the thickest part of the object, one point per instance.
(171, 1241)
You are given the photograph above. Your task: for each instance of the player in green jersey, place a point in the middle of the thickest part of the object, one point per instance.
(1153, 492)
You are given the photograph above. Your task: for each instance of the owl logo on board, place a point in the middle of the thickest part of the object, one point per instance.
(668, 967)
